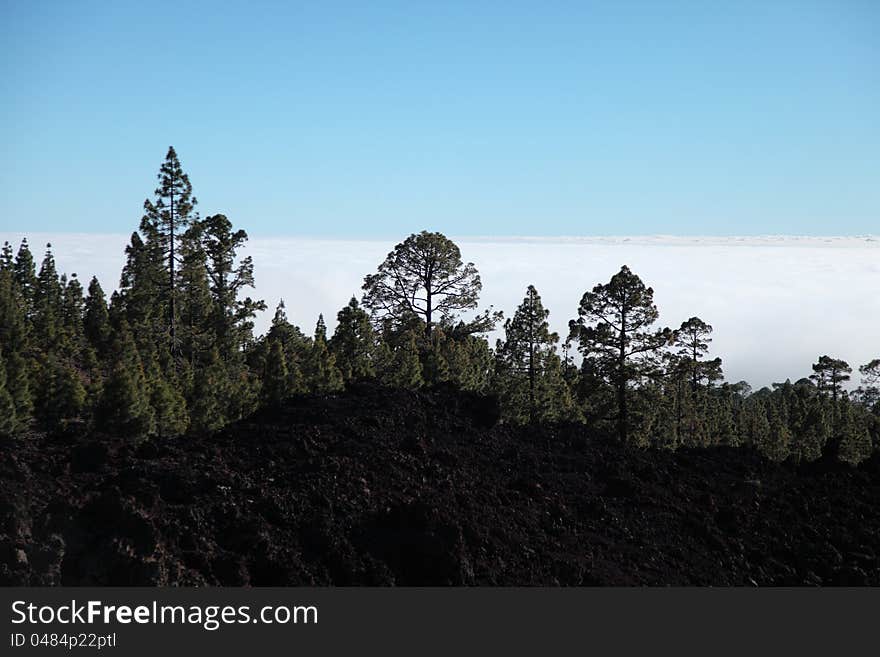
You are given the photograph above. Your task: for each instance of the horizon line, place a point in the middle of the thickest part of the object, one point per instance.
(864, 237)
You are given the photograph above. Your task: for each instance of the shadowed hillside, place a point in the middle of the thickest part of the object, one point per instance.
(413, 488)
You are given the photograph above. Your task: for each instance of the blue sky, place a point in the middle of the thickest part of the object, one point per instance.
(377, 119)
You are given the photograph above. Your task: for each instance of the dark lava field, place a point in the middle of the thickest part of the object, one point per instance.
(374, 487)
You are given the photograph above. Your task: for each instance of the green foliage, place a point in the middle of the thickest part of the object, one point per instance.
(96, 318)
(829, 373)
(322, 375)
(232, 321)
(8, 424)
(15, 400)
(469, 362)
(855, 439)
(7, 261)
(243, 389)
(208, 406)
(279, 357)
(435, 367)
(528, 372)
(868, 393)
(142, 300)
(72, 311)
(696, 417)
(195, 333)
(276, 376)
(353, 343)
(124, 407)
(810, 418)
(399, 366)
(18, 385)
(755, 424)
(61, 395)
(165, 220)
(613, 329)
(47, 305)
(174, 350)
(173, 209)
(777, 445)
(292, 338)
(166, 399)
(282, 375)
(25, 273)
(13, 308)
(423, 276)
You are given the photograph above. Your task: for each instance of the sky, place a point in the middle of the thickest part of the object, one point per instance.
(355, 120)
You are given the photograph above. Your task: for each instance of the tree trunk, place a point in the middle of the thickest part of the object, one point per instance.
(678, 413)
(621, 383)
(428, 312)
(531, 361)
(171, 331)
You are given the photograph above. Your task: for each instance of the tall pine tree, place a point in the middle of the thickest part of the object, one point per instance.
(528, 370)
(165, 220)
(614, 331)
(353, 343)
(322, 374)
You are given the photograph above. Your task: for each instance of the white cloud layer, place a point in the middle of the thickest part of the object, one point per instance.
(776, 303)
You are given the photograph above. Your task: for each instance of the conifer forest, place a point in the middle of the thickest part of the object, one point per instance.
(148, 435)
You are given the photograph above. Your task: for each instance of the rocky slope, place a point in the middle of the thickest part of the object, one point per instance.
(376, 487)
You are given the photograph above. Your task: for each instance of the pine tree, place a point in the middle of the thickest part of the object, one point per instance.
(166, 400)
(425, 277)
(555, 400)
(829, 375)
(870, 388)
(676, 375)
(47, 304)
(613, 329)
(292, 338)
(721, 425)
(62, 395)
(233, 318)
(72, 313)
(353, 343)
(470, 362)
(756, 426)
(124, 407)
(164, 221)
(8, 424)
(140, 299)
(400, 368)
(692, 340)
(384, 361)
(19, 386)
(26, 277)
(208, 407)
(7, 261)
(813, 432)
(738, 393)
(296, 378)
(435, 367)
(195, 307)
(276, 383)
(855, 440)
(96, 319)
(778, 443)
(528, 371)
(322, 374)
(14, 340)
(244, 389)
